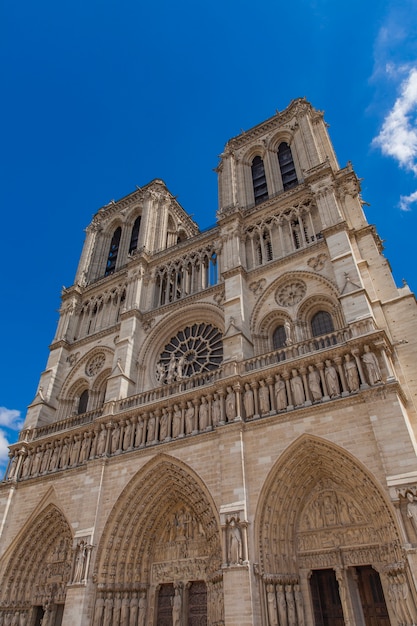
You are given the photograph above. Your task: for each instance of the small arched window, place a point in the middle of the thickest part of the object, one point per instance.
(287, 167)
(321, 324)
(83, 402)
(113, 252)
(279, 338)
(260, 188)
(135, 235)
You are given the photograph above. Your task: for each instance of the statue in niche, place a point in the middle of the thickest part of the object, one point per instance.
(26, 464)
(172, 369)
(142, 608)
(189, 418)
(272, 605)
(176, 607)
(180, 367)
(289, 596)
(330, 510)
(64, 454)
(297, 388)
(108, 610)
(230, 404)
(13, 467)
(75, 450)
(282, 605)
(234, 543)
(151, 428)
(352, 376)
(289, 340)
(215, 410)
(85, 448)
(127, 435)
(124, 613)
(115, 436)
(139, 432)
(176, 421)
(160, 372)
(264, 406)
(412, 509)
(163, 426)
(53, 463)
(45, 458)
(133, 610)
(248, 402)
(203, 414)
(101, 441)
(299, 604)
(332, 380)
(280, 393)
(80, 559)
(314, 383)
(372, 366)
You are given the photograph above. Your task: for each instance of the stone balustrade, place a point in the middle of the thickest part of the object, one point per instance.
(180, 412)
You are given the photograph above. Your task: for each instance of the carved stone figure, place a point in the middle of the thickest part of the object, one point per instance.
(45, 458)
(412, 509)
(272, 605)
(127, 435)
(172, 369)
(282, 605)
(230, 404)
(133, 612)
(160, 372)
(314, 383)
(289, 596)
(101, 441)
(124, 612)
(234, 543)
(299, 604)
(151, 428)
(203, 414)
(176, 607)
(189, 418)
(297, 388)
(64, 454)
(280, 393)
(115, 436)
(264, 405)
(215, 410)
(75, 450)
(80, 558)
(248, 402)
(180, 367)
(139, 432)
(163, 426)
(26, 464)
(108, 610)
(53, 463)
(372, 366)
(352, 376)
(332, 380)
(85, 448)
(176, 421)
(142, 608)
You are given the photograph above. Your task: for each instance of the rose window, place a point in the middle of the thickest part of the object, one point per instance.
(291, 293)
(195, 349)
(95, 364)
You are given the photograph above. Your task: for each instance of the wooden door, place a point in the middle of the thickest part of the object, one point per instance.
(165, 596)
(327, 606)
(197, 604)
(372, 597)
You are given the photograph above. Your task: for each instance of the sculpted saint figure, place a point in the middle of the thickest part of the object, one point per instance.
(234, 543)
(215, 410)
(282, 605)
(263, 393)
(176, 607)
(160, 372)
(352, 376)
(151, 428)
(372, 366)
(189, 418)
(180, 367)
(230, 404)
(53, 463)
(203, 414)
(142, 608)
(332, 380)
(85, 448)
(163, 426)
(127, 435)
(101, 441)
(133, 610)
(75, 450)
(80, 557)
(176, 421)
(115, 436)
(314, 383)
(26, 464)
(248, 401)
(272, 605)
(45, 458)
(172, 368)
(64, 454)
(139, 432)
(280, 393)
(297, 388)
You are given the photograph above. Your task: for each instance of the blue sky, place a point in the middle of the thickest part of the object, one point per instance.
(100, 96)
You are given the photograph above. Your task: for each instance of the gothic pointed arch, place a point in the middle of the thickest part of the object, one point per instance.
(38, 567)
(162, 531)
(320, 505)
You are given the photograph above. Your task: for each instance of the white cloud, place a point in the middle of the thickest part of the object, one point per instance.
(398, 136)
(10, 418)
(406, 201)
(4, 452)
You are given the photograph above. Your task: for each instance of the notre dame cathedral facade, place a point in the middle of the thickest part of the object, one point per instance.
(225, 431)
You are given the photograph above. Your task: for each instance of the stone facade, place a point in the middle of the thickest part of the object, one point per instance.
(225, 429)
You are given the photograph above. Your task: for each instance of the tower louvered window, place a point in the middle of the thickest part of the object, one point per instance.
(260, 188)
(113, 252)
(287, 167)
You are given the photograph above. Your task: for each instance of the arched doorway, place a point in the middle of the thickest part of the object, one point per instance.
(159, 559)
(34, 585)
(329, 544)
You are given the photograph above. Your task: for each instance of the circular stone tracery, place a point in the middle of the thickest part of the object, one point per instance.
(199, 347)
(291, 293)
(95, 364)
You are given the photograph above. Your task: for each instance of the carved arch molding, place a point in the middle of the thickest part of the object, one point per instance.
(39, 567)
(162, 531)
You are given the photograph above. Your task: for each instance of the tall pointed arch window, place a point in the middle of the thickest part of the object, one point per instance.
(83, 402)
(260, 189)
(321, 324)
(135, 235)
(287, 167)
(113, 252)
